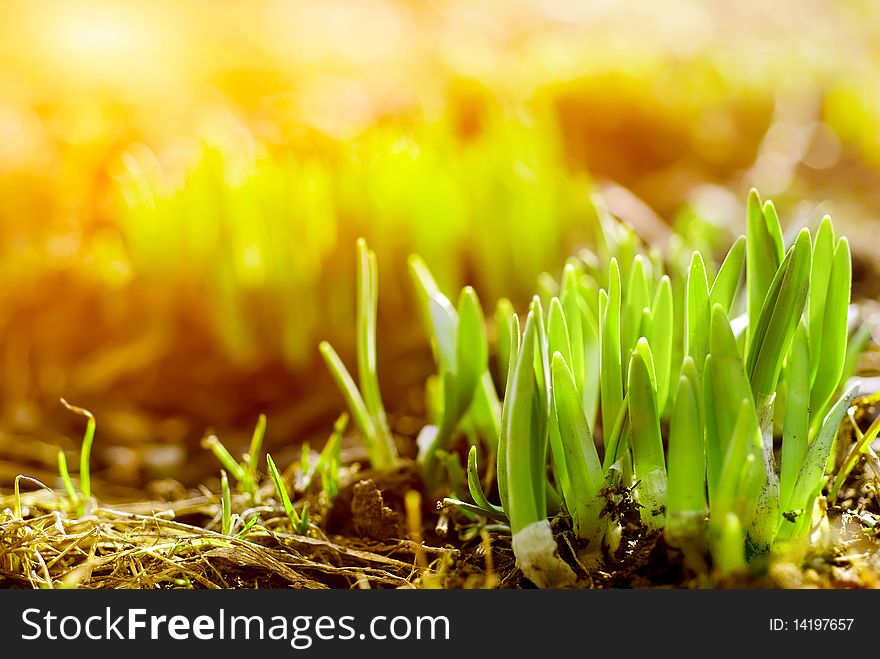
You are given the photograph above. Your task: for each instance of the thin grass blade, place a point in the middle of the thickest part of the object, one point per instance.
(649, 466)
(725, 381)
(698, 312)
(660, 335)
(812, 473)
(829, 349)
(764, 253)
(727, 281)
(578, 454)
(610, 369)
(779, 318)
(637, 299)
(686, 497)
(513, 333)
(796, 426)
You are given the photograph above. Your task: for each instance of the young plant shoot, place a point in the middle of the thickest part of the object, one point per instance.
(365, 403)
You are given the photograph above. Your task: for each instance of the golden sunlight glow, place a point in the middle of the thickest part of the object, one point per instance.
(89, 42)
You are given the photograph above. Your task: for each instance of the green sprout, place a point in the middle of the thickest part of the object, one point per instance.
(646, 443)
(254, 450)
(610, 360)
(686, 505)
(365, 403)
(460, 345)
(85, 480)
(327, 465)
(225, 504)
(764, 253)
(72, 494)
(244, 471)
(580, 471)
(299, 523)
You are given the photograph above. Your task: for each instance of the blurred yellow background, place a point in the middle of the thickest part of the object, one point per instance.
(182, 183)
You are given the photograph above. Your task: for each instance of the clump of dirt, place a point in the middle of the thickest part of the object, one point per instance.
(371, 517)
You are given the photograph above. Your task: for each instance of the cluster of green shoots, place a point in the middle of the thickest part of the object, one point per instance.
(639, 377)
(245, 472)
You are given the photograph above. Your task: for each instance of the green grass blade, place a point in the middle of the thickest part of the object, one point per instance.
(796, 426)
(610, 369)
(255, 447)
(649, 465)
(820, 275)
(542, 357)
(558, 342)
(225, 505)
(812, 472)
(525, 475)
(557, 331)
(764, 253)
(476, 487)
(472, 351)
(503, 438)
(714, 441)
(239, 471)
(829, 350)
(779, 318)
(637, 298)
(485, 411)
(686, 495)
(381, 456)
(251, 523)
(449, 418)
(295, 520)
(729, 496)
(327, 465)
(660, 335)
(225, 457)
(726, 283)
(460, 350)
(589, 296)
(503, 313)
(644, 348)
(765, 521)
(438, 312)
(689, 370)
(471, 509)
(569, 297)
(698, 312)
(592, 359)
(64, 472)
(578, 456)
(85, 479)
(541, 418)
(614, 448)
(367, 303)
(725, 381)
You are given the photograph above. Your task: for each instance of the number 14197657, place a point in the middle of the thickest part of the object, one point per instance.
(811, 624)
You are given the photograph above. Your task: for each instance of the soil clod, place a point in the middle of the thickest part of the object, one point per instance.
(372, 518)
